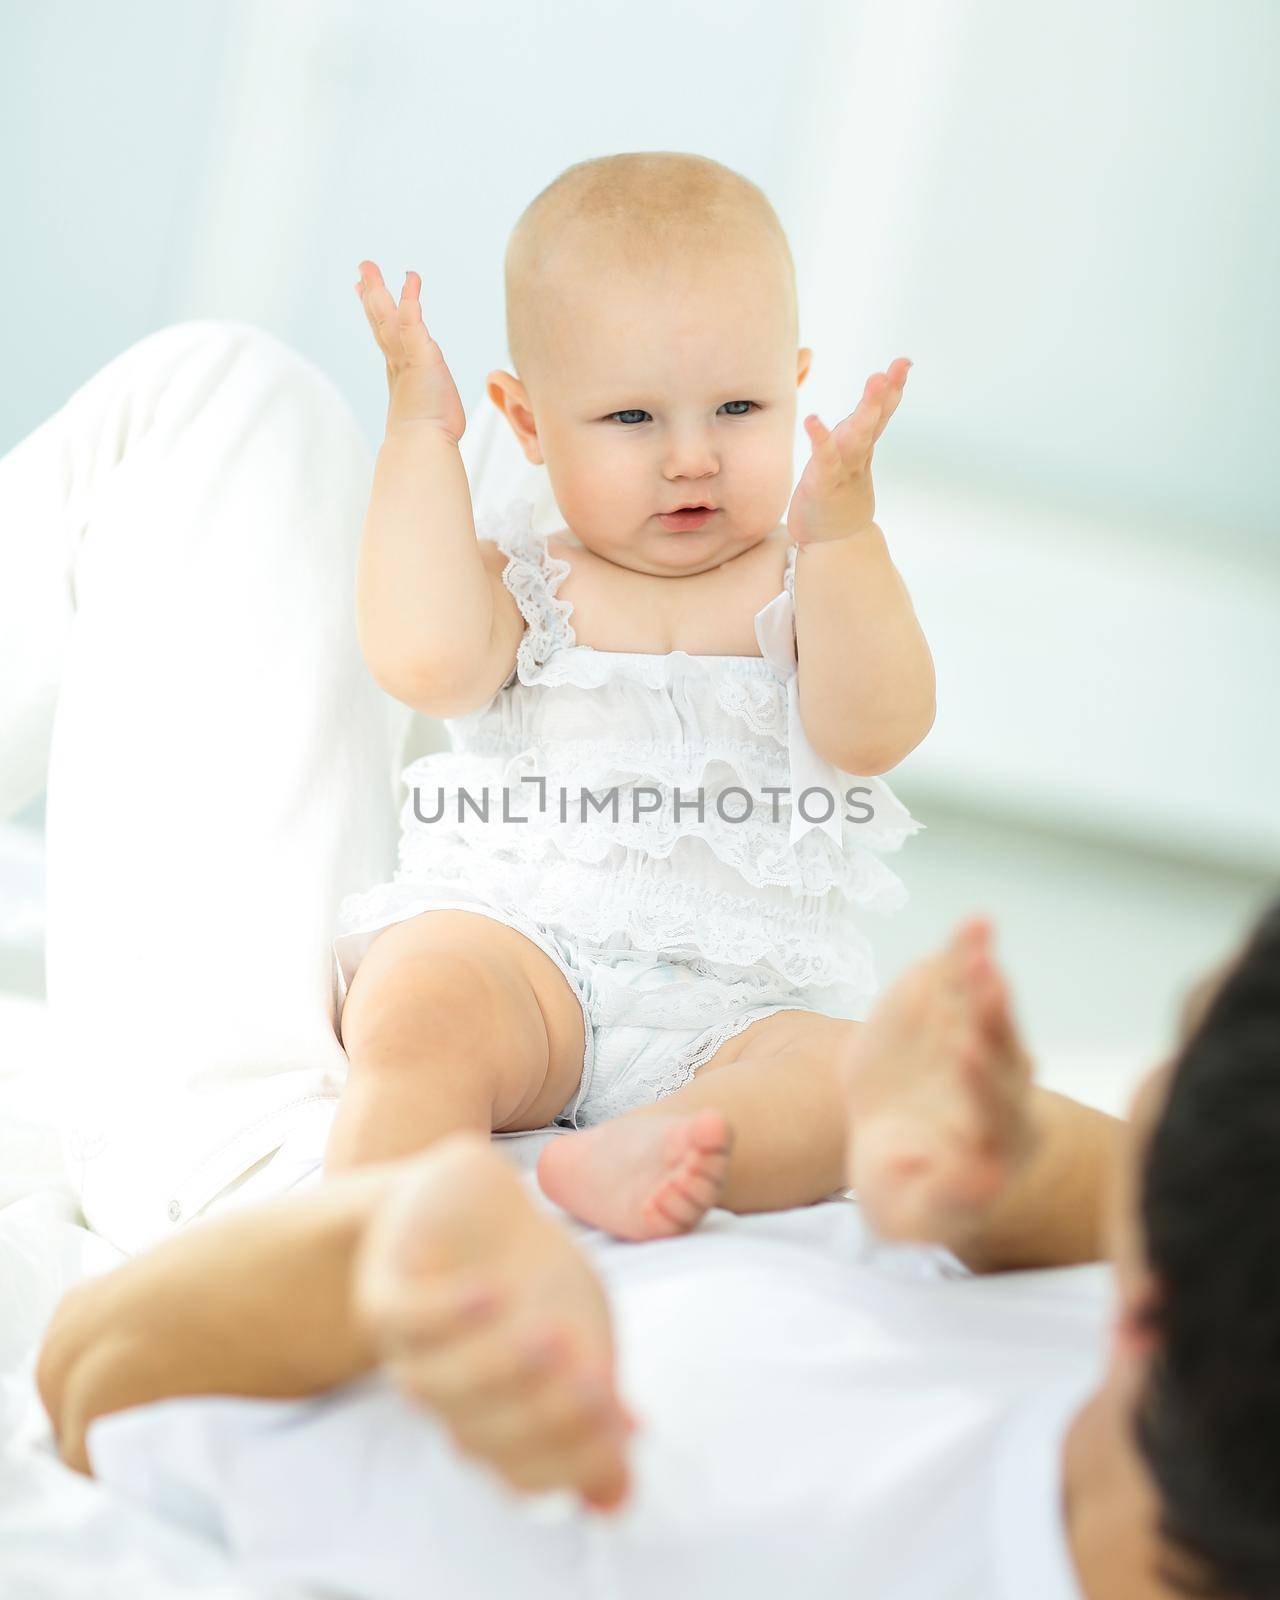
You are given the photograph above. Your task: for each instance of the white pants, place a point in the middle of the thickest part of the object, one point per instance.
(177, 640)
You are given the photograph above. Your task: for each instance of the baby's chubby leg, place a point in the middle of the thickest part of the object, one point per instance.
(453, 1021)
(760, 1128)
(926, 1108)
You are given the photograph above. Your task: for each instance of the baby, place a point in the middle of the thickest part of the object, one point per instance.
(652, 982)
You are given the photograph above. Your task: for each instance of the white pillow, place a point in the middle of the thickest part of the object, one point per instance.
(222, 767)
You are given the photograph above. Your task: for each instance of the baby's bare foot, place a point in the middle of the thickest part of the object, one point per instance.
(938, 1096)
(640, 1177)
(485, 1310)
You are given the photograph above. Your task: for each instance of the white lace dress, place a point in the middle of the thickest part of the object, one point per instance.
(759, 910)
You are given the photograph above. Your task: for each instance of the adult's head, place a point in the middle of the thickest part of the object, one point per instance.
(652, 320)
(1197, 1247)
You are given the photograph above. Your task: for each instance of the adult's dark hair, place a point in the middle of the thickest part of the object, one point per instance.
(1209, 1424)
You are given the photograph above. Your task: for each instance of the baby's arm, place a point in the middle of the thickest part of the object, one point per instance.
(437, 628)
(866, 678)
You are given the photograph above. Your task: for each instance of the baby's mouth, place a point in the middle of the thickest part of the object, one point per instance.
(686, 517)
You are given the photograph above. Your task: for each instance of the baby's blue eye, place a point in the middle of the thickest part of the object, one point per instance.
(637, 413)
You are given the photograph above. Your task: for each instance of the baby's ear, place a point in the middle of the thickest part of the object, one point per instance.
(508, 394)
(498, 386)
(804, 360)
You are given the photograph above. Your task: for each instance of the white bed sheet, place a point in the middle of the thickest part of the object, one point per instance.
(820, 1416)
(64, 1536)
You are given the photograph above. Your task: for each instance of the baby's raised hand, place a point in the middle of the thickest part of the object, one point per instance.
(420, 385)
(835, 497)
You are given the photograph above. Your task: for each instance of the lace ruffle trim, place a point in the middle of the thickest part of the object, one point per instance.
(689, 992)
(628, 767)
(742, 686)
(592, 761)
(665, 915)
(751, 849)
(608, 1101)
(531, 576)
(548, 654)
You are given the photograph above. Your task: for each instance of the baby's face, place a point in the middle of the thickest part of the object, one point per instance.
(666, 390)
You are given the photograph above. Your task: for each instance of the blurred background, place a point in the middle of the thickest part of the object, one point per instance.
(1065, 215)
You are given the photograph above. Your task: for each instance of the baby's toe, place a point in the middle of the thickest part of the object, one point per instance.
(709, 1132)
(401, 1311)
(694, 1181)
(669, 1206)
(701, 1187)
(692, 1141)
(586, 1452)
(535, 1440)
(704, 1159)
(484, 1369)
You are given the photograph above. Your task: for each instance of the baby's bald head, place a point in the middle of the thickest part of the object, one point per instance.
(641, 215)
(652, 321)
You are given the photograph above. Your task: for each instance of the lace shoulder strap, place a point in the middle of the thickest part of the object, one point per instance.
(789, 571)
(531, 576)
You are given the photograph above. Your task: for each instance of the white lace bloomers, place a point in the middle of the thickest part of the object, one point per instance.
(643, 802)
